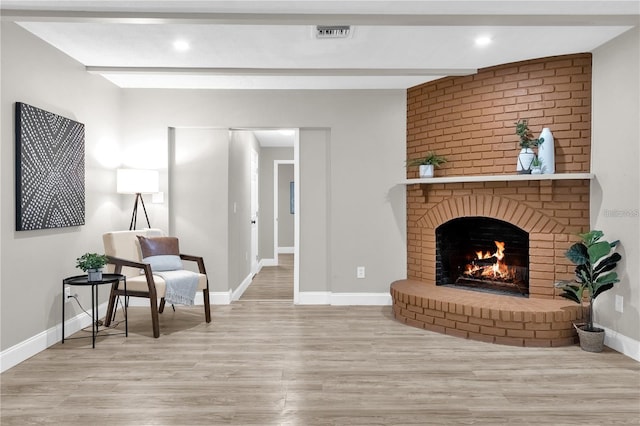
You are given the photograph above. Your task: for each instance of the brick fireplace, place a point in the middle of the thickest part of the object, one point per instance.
(550, 212)
(471, 121)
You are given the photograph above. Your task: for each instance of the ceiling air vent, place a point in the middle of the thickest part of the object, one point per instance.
(333, 31)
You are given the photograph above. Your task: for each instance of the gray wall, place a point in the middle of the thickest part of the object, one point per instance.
(198, 199)
(33, 263)
(315, 211)
(614, 160)
(285, 217)
(353, 209)
(267, 157)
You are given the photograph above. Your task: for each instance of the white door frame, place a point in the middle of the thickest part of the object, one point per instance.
(276, 210)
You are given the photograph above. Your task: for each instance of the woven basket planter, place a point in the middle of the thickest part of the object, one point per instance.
(590, 341)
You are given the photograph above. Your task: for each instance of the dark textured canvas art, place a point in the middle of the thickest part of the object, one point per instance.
(49, 170)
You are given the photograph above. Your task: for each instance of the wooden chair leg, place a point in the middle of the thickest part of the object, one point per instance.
(161, 308)
(155, 320)
(110, 308)
(207, 305)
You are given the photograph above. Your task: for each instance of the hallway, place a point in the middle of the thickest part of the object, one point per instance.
(272, 282)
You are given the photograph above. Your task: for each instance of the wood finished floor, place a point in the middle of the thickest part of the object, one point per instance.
(273, 363)
(272, 282)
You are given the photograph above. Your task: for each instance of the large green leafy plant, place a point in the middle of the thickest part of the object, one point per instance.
(595, 261)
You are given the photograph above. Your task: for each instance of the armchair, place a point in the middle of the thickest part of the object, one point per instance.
(123, 251)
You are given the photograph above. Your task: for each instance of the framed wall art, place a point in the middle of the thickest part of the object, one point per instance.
(50, 191)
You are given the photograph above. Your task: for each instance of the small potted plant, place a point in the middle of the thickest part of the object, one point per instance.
(427, 163)
(527, 142)
(536, 166)
(595, 261)
(92, 264)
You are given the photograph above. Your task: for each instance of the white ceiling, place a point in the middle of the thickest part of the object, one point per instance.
(270, 44)
(275, 138)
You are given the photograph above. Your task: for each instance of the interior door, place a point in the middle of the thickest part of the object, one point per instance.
(255, 208)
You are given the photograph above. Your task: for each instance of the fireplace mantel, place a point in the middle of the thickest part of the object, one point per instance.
(499, 178)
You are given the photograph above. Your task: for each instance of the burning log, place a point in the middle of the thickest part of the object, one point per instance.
(485, 262)
(499, 285)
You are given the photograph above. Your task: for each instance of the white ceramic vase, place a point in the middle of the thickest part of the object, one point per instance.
(546, 152)
(426, 170)
(525, 158)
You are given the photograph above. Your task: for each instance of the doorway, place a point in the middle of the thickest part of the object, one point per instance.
(218, 202)
(283, 209)
(276, 217)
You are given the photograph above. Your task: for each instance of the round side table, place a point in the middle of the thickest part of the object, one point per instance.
(83, 280)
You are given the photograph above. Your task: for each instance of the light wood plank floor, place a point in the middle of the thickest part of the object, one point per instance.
(273, 363)
(272, 282)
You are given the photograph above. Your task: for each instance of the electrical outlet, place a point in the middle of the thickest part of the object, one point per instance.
(360, 272)
(67, 293)
(619, 303)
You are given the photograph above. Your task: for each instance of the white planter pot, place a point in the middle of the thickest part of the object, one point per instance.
(426, 171)
(546, 152)
(525, 158)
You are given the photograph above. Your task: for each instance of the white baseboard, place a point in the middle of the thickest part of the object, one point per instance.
(266, 262)
(286, 250)
(314, 298)
(237, 294)
(343, 299)
(26, 349)
(621, 343)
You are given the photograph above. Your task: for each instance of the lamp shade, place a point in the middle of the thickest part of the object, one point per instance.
(137, 181)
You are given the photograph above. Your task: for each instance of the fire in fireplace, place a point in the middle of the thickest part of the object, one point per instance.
(483, 253)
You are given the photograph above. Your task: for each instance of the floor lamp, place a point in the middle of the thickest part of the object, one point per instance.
(138, 182)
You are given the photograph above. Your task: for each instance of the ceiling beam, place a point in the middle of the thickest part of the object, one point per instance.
(318, 19)
(304, 72)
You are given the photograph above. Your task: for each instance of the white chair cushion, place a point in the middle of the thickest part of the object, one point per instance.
(139, 283)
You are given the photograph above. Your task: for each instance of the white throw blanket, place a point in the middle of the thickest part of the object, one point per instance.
(181, 286)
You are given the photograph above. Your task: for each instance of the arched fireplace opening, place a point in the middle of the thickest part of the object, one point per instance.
(484, 254)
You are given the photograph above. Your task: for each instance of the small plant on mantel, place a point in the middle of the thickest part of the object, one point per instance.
(427, 163)
(526, 139)
(526, 156)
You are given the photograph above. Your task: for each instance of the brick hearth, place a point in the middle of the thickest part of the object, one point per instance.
(486, 317)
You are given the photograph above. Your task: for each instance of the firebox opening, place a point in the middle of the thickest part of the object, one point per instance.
(484, 254)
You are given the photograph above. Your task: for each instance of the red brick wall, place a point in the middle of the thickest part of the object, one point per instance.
(471, 120)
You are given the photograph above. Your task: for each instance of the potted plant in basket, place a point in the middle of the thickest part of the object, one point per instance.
(527, 142)
(427, 163)
(595, 261)
(92, 264)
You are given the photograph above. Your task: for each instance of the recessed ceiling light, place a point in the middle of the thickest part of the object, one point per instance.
(181, 45)
(483, 41)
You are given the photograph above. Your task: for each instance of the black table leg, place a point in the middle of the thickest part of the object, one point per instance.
(64, 301)
(94, 325)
